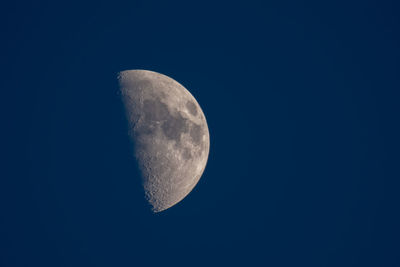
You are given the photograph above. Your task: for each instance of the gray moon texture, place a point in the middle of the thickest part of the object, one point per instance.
(170, 135)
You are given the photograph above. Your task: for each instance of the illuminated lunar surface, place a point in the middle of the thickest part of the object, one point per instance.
(169, 133)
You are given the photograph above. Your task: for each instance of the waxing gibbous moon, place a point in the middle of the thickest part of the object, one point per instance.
(169, 133)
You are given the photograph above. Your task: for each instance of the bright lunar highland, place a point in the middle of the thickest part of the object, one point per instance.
(169, 133)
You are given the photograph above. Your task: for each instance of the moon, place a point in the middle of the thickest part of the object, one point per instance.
(170, 135)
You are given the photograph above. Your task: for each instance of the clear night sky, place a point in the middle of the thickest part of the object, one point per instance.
(302, 103)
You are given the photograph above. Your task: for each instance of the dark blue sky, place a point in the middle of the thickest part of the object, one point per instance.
(302, 102)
